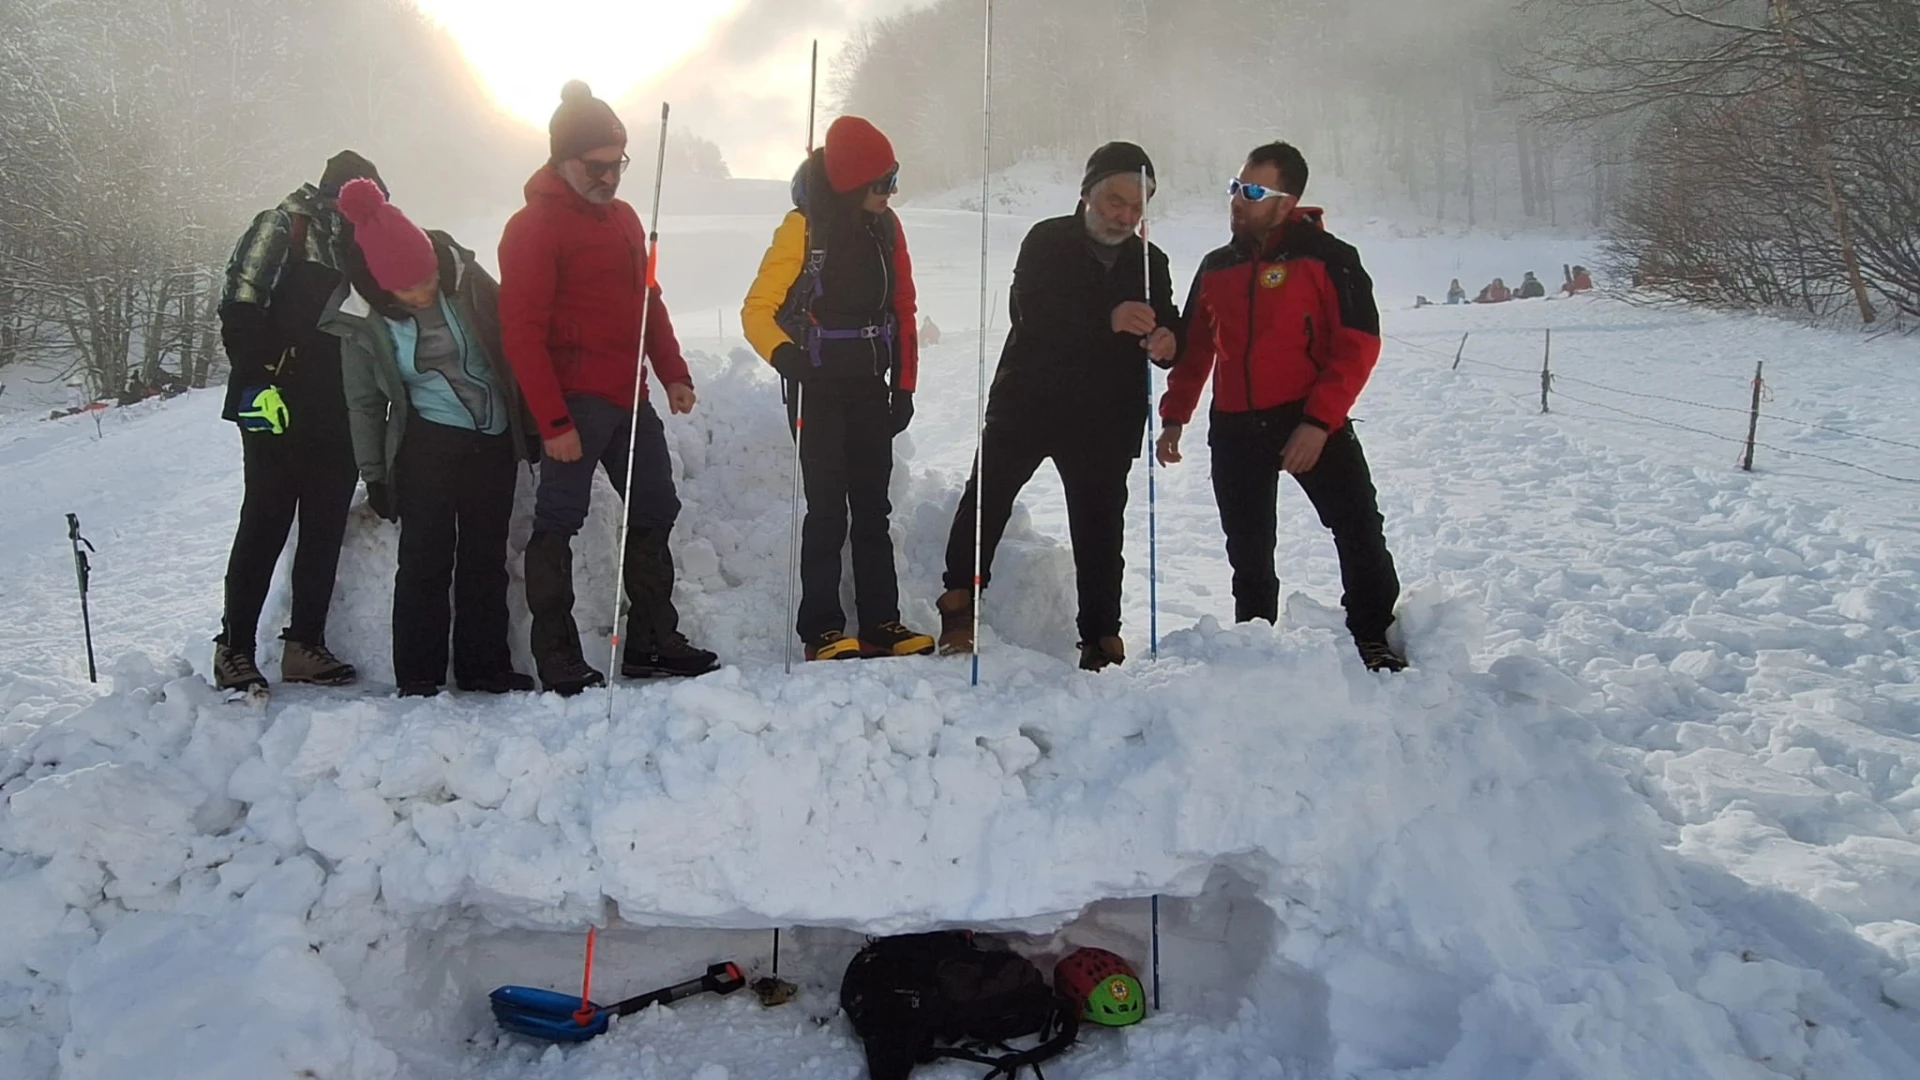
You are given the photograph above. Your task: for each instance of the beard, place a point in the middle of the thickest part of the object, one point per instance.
(1104, 232)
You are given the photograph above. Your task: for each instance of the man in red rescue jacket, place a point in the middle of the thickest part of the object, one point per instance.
(1284, 321)
(573, 276)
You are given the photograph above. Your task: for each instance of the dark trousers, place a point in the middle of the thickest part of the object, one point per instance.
(1246, 474)
(846, 463)
(1096, 481)
(566, 487)
(455, 497)
(311, 477)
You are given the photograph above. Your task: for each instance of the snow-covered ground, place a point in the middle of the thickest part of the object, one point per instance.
(1647, 806)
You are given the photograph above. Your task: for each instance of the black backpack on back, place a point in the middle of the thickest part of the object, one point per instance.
(920, 997)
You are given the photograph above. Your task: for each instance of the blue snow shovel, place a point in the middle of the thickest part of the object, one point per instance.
(566, 1018)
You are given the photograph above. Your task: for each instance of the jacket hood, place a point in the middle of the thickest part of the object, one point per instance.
(546, 185)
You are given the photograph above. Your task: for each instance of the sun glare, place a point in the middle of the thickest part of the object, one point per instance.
(524, 50)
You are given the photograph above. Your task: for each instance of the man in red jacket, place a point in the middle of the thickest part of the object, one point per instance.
(1284, 320)
(573, 274)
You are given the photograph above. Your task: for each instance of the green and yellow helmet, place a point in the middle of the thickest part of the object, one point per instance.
(1103, 985)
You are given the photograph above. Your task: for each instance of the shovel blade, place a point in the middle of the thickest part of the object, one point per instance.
(544, 1014)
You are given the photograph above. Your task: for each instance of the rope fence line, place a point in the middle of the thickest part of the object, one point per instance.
(1551, 382)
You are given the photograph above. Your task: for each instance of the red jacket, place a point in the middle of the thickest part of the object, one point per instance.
(571, 276)
(1297, 323)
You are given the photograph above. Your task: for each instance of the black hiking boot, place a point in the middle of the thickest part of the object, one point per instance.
(894, 639)
(670, 657)
(832, 645)
(1380, 656)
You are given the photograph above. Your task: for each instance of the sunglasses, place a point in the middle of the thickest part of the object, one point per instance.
(597, 169)
(886, 185)
(1253, 192)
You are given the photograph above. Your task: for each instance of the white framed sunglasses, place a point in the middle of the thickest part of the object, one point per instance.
(1253, 192)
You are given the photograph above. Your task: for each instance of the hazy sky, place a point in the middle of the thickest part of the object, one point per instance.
(734, 70)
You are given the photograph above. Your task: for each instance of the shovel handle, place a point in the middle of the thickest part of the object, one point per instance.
(720, 979)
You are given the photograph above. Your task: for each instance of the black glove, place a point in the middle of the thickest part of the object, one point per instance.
(380, 501)
(792, 362)
(902, 408)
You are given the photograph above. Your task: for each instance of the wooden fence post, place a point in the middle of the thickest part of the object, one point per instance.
(1546, 372)
(1753, 418)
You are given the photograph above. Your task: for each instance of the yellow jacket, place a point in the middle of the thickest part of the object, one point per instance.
(779, 269)
(781, 266)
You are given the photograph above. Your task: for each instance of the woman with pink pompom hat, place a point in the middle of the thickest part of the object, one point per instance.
(439, 428)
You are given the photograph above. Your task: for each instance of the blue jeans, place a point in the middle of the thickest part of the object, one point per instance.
(566, 487)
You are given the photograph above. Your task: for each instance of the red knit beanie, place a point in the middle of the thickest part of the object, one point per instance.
(857, 154)
(398, 254)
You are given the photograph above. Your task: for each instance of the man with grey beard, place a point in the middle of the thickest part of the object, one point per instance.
(1072, 386)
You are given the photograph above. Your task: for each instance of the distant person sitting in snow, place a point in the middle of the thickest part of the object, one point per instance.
(1456, 294)
(439, 432)
(284, 394)
(1281, 401)
(841, 332)
(574, 278)
(1531, 288)
(1580, 282)
(1496, 292)
(929, 333)
(1072, 386)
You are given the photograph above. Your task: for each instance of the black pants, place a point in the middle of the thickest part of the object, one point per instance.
(1096, 481)
(1246, 475)
(846, 463)
(455, 496)
(309, 476)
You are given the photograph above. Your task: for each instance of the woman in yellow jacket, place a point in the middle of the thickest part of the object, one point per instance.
(833, 311)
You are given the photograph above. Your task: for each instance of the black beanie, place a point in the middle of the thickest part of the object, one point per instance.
(582, 123)
(347, 165)
(1112, 160)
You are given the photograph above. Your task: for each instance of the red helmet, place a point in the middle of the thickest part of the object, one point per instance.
(1103, 985)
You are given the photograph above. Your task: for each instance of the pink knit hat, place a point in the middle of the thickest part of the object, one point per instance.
(398, 254)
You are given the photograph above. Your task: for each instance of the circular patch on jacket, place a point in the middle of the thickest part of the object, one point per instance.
(1273, 276)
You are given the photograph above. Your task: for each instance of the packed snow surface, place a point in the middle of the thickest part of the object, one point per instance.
(1646, 806)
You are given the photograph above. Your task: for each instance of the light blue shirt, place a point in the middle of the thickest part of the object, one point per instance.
(448, 381)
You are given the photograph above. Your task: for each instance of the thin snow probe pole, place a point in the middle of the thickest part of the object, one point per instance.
(1156, 952)
(83, 574)
(980, 414)
(633, 429)
(799, 423)
(1153, 508)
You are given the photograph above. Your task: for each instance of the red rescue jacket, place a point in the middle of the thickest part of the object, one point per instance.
(1293, 322)
(571, 277)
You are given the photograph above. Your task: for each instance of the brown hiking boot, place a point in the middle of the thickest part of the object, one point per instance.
(234, 669)
(1099, 657)
(305, 663)
(956, 622)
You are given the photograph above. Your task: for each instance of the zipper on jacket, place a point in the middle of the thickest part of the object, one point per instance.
(1253, 294)
(1311, 359)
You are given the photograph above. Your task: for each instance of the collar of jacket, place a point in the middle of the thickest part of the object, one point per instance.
(351, 307)
(547, 186)
(1304, 223)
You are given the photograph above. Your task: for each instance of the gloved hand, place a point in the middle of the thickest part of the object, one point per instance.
(380, 501)
(902, 409)
(263, 410)
(792, 362)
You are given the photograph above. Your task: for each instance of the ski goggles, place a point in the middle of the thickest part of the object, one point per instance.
(1253, 192)
(888, 184)
(597, 170)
